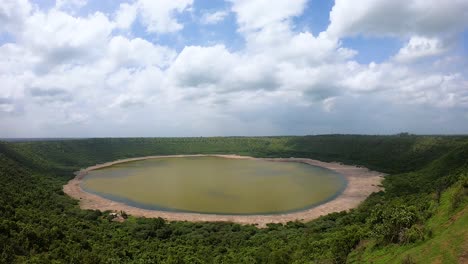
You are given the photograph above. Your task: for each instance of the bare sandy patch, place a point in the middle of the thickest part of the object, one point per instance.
(361, 182)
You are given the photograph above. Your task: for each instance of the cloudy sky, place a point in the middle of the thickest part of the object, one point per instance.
(82, 68)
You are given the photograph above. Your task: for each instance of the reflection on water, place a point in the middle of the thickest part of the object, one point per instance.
(216, 185)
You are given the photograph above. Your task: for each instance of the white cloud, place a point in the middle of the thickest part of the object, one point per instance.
(156, 16)
(13, 85)
(252, 73)
(128, 101)
(329, 104)
(15, 59)
(70, 4)
(6, 105)
(201, 66)
(301, 48)
(138, 52)
(267, 29)
(253, 15)
(442, 91)
(215, 70)
(12, 14)
(159, 16)
(397, 17)
(404, 85)
(420, 47)
(374, 77)
(57, 37)
(125, 15)
(214, 17)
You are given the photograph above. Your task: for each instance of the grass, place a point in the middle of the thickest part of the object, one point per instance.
(448, 242)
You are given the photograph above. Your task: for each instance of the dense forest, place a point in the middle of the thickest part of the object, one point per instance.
(421, 217)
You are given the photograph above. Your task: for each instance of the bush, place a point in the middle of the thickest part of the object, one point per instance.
(460, 193)
(413, 234)
(389, 224)
(408, 260)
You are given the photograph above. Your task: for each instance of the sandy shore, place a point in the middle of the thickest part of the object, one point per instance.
(361, 183)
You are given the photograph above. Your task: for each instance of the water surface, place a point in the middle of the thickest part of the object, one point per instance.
(216, 185)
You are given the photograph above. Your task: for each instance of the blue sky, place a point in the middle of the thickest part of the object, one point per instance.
(83, 68)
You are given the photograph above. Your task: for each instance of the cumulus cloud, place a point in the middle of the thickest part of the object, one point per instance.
(297, 62)
(420, 47)
(50, 95)
(138, 52)
(13, 14)
(329, 104)
(57, 37)
(156, 16)
(95, 75)
(397, 18)
(6, 105)
(206, 68)
(70, 4)
(125, 15)
(15, 59)
(252, 15)
(128, 101)
(213, 17)
(159, 16)
(201, 66)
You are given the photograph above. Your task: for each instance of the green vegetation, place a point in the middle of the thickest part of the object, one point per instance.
(420, 218)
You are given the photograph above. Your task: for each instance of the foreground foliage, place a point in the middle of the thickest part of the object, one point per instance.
(423, 208)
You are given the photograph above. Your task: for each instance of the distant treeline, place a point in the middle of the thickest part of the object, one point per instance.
(426, 186)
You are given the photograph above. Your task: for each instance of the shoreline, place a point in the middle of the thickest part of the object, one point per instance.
(361, 182)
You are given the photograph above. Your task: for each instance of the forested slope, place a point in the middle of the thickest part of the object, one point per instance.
(423, 206)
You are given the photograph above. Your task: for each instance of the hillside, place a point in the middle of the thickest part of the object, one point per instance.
(423, 208)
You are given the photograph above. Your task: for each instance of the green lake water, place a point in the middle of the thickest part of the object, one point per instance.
(216, 185)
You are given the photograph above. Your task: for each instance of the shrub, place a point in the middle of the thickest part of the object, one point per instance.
(408, 260)
(412, 234)
(460, 193)
(388, 224)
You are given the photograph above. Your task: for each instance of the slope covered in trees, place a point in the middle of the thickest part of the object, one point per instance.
(423, 206)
